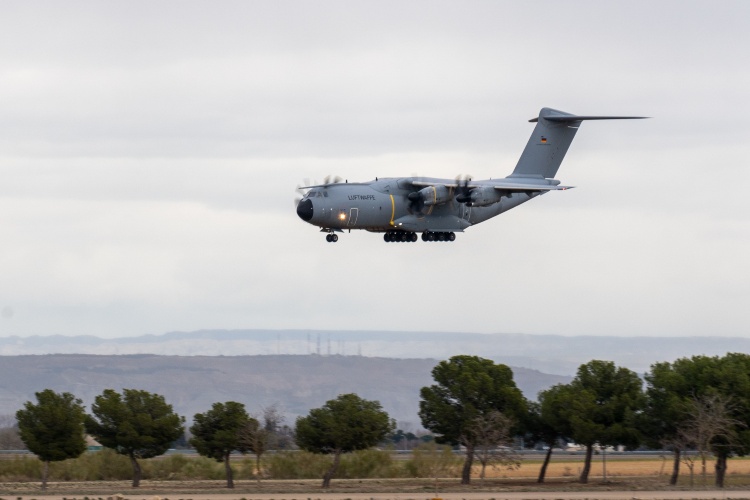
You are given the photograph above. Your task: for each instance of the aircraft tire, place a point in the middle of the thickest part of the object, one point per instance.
(451, 236)
(334, 238)
(328, 238)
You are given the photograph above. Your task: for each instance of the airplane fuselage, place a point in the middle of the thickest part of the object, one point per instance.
(401, 207)
(383, 205)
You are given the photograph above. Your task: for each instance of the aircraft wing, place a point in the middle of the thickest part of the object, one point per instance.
(512, 186)
(500, 185)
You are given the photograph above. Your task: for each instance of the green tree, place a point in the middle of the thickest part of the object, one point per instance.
(137, 424)
(604, 402)
(547, 421)
(52, 429)
(345, 424)
(401, 439)
(699, 377)
(218, 432)
(666, 410)
(467, 388)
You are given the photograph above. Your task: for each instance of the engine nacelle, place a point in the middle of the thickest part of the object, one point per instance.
(434, 195)
(484, 196)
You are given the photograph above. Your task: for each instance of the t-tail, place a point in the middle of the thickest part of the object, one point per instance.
(550, 141)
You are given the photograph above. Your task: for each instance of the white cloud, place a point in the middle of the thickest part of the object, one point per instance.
(149, 153)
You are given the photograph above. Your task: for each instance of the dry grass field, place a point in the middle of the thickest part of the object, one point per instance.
(569, 466)
(623, 474)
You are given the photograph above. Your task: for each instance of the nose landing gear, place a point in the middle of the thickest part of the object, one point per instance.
(332, 238)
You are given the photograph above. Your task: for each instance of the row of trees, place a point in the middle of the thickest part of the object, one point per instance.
(700, 403)
(140, 425)
(137, 424)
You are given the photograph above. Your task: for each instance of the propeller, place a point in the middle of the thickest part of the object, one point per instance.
(332, 179)
(303, 188)
(416, 200)
(463, 191)
(416, 203)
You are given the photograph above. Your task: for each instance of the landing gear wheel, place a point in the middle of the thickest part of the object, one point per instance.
(413, 237)
(424, 236)
(441, 236)
(451, 236)
(328, 238)
(387, 237)
(334, 238)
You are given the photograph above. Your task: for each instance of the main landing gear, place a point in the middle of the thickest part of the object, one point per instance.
(409, 237)
(400, 237)
(332, 238)
(441, 236)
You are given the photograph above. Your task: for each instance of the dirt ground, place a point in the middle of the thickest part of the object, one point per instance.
(627, 479)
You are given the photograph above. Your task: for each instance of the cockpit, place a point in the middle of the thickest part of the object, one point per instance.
(317, 193)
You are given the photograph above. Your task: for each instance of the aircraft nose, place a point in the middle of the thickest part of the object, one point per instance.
(305, 210)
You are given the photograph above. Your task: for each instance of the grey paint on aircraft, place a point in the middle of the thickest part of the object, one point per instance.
(437, 208)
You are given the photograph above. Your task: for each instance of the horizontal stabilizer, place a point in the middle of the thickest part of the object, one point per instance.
(554, 115)
(581, 118)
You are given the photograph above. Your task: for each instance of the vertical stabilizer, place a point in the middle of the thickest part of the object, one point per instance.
(550, 140)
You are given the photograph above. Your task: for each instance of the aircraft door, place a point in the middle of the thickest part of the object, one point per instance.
(353, 214)
(466, 213)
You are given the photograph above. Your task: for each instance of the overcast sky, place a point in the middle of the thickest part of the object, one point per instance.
(149, 153)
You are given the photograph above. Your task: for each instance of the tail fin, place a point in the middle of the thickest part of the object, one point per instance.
(550, 141)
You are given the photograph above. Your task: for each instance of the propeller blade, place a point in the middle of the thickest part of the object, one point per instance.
(332, 179)
(463, 192)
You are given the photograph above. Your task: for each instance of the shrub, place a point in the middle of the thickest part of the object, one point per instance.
(297, 465)
(433, 460)
(366, 464)
(21, 469)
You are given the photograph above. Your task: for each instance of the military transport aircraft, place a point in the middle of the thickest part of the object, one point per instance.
(401, 207)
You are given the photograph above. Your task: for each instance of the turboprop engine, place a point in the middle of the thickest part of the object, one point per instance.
(434, 195)
(484, 196)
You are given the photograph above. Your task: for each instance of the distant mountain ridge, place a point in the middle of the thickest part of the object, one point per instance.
(192, 384)
(547, 353)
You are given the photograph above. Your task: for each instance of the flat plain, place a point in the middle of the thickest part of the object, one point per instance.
(628, 477)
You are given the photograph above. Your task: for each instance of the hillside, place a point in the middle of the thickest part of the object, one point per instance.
(546, 353)
(192, 383)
